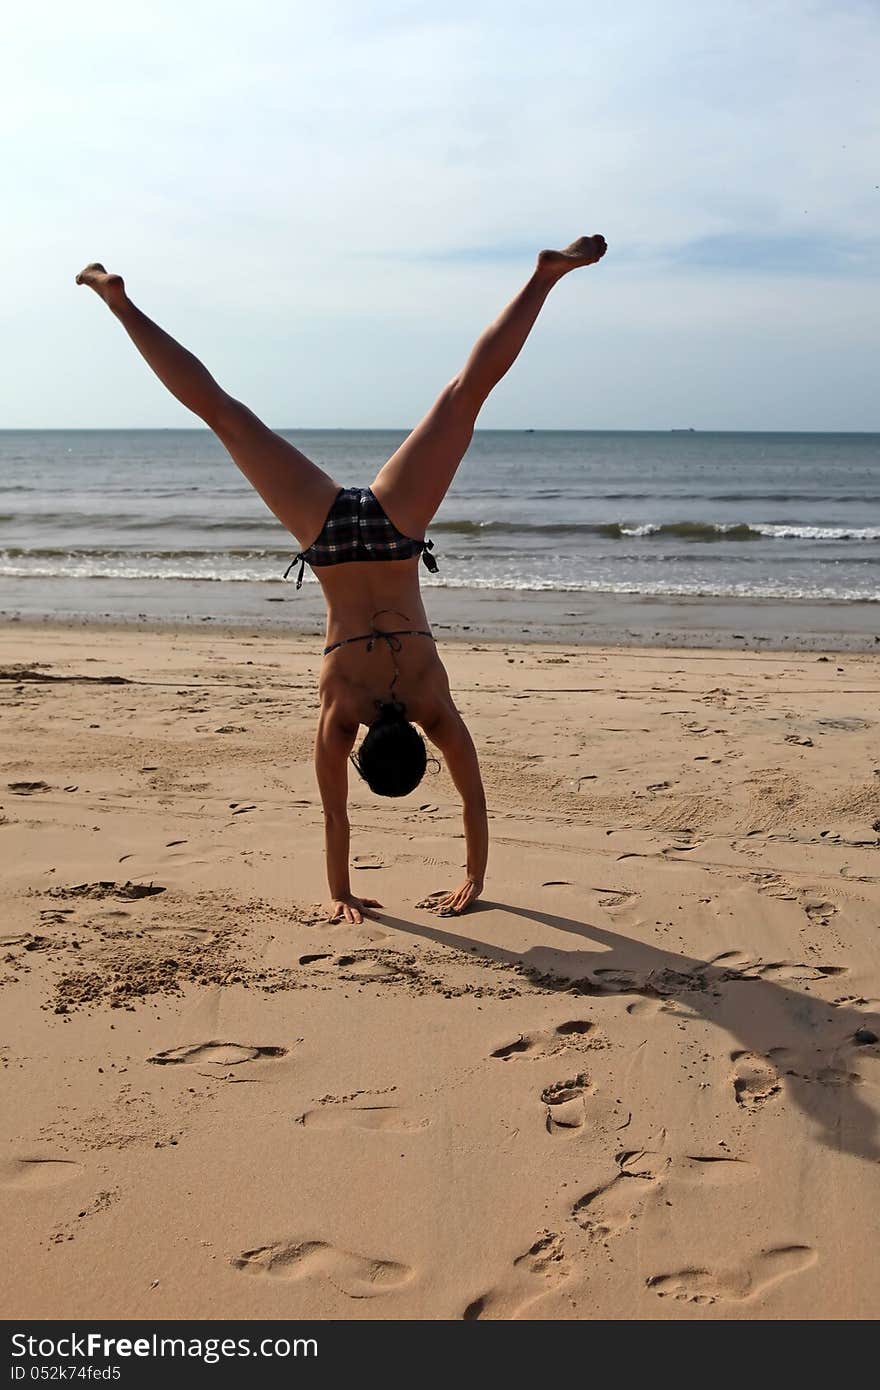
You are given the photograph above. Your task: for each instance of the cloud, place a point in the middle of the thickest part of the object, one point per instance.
(739, 252)
(780, 255)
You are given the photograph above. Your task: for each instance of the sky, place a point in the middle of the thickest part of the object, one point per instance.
(328, 202)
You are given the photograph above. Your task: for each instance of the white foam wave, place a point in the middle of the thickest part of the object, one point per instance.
(780, 532)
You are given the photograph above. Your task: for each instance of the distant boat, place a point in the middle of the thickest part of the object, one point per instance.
(690, 430)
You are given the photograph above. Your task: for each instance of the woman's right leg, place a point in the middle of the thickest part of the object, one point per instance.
(295, 489)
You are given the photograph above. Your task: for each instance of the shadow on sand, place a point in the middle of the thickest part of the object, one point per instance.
(815, 1046)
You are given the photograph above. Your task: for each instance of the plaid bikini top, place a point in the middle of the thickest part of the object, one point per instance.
(358, 529)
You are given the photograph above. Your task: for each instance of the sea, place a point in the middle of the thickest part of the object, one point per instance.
(123, 523)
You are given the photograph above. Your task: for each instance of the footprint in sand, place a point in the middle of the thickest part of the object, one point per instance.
(643, 1163)
(818, 910)
(365, 967)
(221, 1054)
(643, 1174)
(200, 934)
(354, 1275)
(541, 1268)
(655, 985)
(615, 897)
(38, 1172)
(845, 722)
(683, 846)
(578, 1033)
(833, 1073)
(361, 965)
(385, 1117)
(694, 1170)
(368, 861)
(610, 1210)
(738, 1284)
(566, 1111)
(644, 1006)
(612, 981)
(791, 970)
(755, 1080)
(741, 964)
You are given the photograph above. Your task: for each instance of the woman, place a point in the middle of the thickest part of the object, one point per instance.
(381, 666)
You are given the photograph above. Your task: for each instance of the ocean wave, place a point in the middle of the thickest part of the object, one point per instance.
(644, 588)
(781, 531)
(661, 590)
(760, 497)
(88, 553)
(687, 530)
(697, 531)
(143, 572)
(111, 523)
(231, 566)
(753, 496)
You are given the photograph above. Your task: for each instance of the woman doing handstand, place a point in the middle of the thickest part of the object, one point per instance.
(381, 667)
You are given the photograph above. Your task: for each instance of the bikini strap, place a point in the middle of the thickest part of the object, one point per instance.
(428, 560)
(297, 560)
(370, 638)
(364, 637)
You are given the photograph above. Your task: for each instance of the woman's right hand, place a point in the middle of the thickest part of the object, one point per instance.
(348, 908)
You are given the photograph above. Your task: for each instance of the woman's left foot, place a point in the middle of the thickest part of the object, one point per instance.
(587, 250)
(109, 287)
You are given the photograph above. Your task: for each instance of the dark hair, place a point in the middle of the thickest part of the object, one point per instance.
(392, 757)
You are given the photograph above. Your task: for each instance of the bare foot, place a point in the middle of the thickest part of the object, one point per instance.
(587, 250)
(109, 287)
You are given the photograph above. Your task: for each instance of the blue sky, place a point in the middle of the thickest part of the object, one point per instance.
(328, 201)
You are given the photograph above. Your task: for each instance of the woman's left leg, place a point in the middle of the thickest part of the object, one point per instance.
(414, 481)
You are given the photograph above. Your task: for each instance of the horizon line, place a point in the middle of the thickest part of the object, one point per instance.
(406, 429)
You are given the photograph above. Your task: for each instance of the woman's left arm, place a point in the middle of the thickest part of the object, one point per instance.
(451, 735)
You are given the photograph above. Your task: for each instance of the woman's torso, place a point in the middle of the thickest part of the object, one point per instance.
(365, 595)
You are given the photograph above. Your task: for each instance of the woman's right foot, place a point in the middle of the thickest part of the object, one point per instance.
(587, 250)
(110, 287)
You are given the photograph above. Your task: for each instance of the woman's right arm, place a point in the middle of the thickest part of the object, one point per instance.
(448, 732)
(333, 743)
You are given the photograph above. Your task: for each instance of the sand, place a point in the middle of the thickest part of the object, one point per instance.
(639, 1081)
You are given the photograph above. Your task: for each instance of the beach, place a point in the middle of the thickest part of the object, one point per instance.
(638, 1081)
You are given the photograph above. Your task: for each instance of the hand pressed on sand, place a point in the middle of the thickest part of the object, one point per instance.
(459, 900)
(352, 909)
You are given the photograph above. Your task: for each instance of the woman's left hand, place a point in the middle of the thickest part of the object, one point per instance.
(451, 904)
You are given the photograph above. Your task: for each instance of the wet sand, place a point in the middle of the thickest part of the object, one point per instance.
(487, 614)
